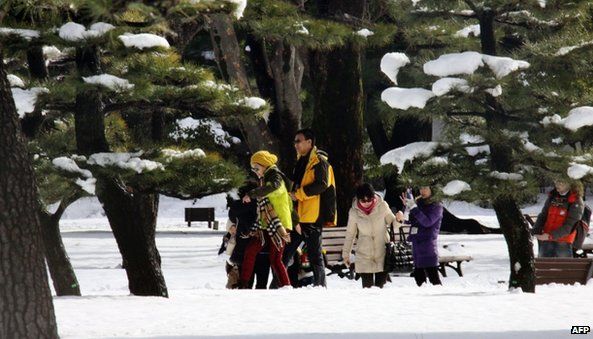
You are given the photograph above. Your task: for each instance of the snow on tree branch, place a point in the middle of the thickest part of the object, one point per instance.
(391, 63)
(577, 117)
(469, 62)
(409, 152)
(455, 187)
(110, 81)
(404, 98)
(143, 40)
(72, 31)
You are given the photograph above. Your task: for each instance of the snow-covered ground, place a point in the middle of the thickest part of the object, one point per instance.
(478, 305)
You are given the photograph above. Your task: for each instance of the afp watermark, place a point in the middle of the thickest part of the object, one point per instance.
(580, 330)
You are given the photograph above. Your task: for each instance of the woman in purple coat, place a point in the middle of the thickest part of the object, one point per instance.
(426, 215)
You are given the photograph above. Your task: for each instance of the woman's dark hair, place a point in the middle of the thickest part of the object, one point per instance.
(308, 134)
(365, 190)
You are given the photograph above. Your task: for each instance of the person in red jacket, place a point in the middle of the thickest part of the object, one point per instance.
(554, 227)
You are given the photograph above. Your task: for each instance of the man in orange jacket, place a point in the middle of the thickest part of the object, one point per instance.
(314, 192)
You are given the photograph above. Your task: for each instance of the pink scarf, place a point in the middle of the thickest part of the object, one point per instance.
(367, 210)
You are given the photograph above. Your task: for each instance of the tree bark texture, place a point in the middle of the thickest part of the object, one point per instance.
(287, 71)
(132, 216)
(61, 271)
(228, 54)
(26, 308)
(338, 120)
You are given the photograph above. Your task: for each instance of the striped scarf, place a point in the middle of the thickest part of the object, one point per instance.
(267, 215)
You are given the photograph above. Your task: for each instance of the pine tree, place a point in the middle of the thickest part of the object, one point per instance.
(495, 137)
(126, 95)
(26, 304)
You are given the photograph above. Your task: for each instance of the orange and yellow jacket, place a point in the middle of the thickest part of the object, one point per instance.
(316, 193)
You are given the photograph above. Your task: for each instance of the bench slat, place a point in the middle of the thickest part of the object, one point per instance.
(569, 281)
(574, 274)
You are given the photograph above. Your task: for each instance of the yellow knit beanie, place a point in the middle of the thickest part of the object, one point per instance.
(264, 158)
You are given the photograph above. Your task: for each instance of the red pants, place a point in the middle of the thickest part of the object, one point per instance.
(253, 248)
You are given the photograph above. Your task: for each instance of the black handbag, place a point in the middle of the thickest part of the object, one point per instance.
(398, 254)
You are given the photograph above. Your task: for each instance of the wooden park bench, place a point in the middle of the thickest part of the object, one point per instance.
(333, 239)
(201, 214)
(452, 261)
(563, 270)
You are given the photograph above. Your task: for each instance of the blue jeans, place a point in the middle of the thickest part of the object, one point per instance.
(554, 249)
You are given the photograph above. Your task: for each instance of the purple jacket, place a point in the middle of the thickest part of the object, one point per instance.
(427, 219)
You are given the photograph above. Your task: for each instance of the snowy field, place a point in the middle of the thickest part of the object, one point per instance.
(478, 305)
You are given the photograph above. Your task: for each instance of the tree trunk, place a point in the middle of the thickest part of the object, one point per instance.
(228, 54)
(287, 71)
(514, 227)
(60, 268)
(132, 216)
(36, 61)
(26, 309)
(38, 70)
(519, 244)
(338, 119)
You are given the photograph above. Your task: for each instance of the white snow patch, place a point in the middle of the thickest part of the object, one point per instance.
(577, 117)
(466, 138)
(455, 187)
(247, 48)
(88, 185)
(495, 92)
(469, 30)
(506, 176)
(446, 85)
(143, 40)
(110, 81)
(253, 102)
(72, 31)
(25, 99)
(129, 161)
(174, 154)
(302, 29)
(578, 171)
(51, 53)
(542, 3)
(517, 267)
(208, 55)
(15, 81)
(404, 98)
(438, 161)
(469, 62)
(409, 152)
(391, 63)
(565, 50)
(503, 66)
(241, 5)
(186, 125)
(365, 33)
(26, 34)
(69, 165)
(558, 140)
(454, 63)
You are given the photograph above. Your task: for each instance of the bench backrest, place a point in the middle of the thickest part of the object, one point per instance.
(563, 270)
(333, 239)
(199, 214)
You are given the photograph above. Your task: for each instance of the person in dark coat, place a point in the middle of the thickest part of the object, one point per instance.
(242, 216)
(426, 215)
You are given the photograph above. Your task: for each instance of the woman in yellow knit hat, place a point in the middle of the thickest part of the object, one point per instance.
(275, 216)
